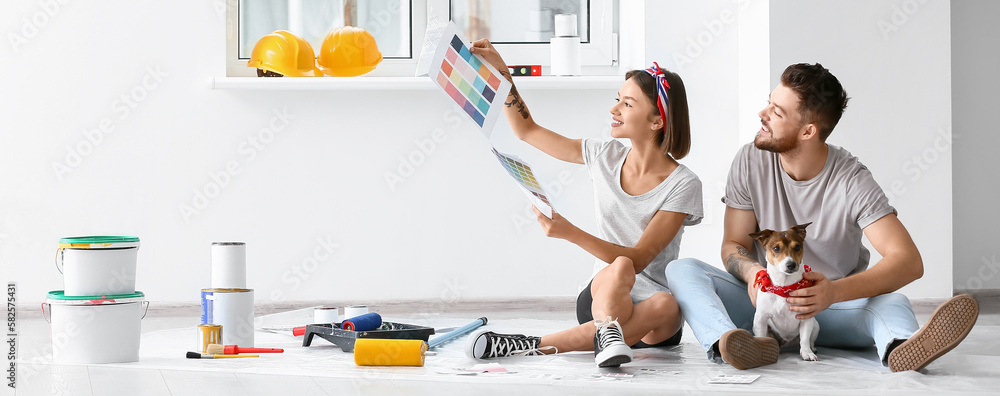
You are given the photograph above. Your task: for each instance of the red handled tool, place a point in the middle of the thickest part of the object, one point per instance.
(217, 349)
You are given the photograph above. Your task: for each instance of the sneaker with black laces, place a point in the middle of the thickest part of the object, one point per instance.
(487, 344)
(610, 349)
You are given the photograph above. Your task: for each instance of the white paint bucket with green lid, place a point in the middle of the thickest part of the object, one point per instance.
(98, 265)
(95, 329)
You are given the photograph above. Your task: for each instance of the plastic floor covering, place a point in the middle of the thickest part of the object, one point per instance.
(973, 367)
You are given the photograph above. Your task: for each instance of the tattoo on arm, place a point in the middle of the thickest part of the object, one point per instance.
(738, 263)
(515, 97)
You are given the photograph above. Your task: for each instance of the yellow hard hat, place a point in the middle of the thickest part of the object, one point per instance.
(285, 53)
(348, 51)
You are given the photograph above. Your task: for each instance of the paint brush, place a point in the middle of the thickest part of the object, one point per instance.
(196, 355)
(233, 349)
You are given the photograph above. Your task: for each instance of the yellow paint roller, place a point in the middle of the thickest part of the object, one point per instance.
(383, 352)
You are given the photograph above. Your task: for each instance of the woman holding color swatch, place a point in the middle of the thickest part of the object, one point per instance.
(644, 200)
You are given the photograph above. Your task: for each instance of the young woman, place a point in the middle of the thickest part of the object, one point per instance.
(644, 199)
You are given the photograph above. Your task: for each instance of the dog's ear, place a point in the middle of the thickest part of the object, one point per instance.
(762, 236)
(801, 229)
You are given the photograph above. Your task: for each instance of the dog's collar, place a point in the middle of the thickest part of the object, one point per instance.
(763, 281)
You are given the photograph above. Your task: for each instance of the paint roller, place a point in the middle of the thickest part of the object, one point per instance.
(389, 352)
(366, 322)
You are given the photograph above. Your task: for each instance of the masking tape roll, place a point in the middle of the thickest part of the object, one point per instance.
(379, 352)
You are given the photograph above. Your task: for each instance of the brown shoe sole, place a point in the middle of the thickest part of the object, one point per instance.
(947, 327)
(744, 351)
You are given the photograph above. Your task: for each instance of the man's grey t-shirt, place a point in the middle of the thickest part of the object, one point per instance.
(840, 202)
(622, 218)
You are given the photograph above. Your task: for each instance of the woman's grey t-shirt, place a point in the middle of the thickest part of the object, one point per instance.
(622, 218)
(840, 202)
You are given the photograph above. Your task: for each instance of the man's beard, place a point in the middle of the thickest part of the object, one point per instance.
(776, 145)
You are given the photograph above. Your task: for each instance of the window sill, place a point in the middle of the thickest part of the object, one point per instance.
(401, 83)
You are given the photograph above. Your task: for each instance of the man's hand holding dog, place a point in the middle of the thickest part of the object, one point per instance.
(809, 301)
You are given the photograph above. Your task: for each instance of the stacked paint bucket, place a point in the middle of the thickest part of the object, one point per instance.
(227, 307)
(96, 318)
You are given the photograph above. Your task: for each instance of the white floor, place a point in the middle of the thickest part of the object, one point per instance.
(323, 369)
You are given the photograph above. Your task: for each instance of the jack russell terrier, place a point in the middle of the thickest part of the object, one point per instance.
(783, 275)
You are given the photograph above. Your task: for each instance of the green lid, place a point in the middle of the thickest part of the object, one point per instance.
(60, 295)
(100, 239)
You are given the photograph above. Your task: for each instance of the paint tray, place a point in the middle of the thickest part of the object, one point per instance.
(345, 338)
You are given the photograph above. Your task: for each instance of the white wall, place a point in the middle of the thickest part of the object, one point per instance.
(450, 230)
(699, 41)
(975, 43)
(454, 229)
(893, 58)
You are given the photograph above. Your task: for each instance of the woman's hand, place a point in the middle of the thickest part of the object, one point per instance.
(557, 226)
(485, 49)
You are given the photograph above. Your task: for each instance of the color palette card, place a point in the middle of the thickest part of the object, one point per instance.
(521, 172)
(468, 81)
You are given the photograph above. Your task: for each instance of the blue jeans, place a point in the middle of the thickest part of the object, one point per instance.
(714, 302)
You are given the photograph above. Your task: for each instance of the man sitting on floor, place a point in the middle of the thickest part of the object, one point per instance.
(789, 176)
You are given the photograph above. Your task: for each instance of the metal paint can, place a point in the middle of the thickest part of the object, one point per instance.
(209, 334)
(233, 309)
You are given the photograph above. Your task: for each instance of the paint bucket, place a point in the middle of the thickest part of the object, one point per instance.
(233, 309)
(98, 265)
(95, 329)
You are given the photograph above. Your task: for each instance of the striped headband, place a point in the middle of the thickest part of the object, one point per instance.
(661, 90)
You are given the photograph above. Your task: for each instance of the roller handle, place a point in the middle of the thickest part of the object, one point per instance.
(461, 331)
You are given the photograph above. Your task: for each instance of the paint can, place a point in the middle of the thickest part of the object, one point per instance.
(95, 329)
(233, 310)
(351, 311)
(97, 265)
(209, 334)
(386, 352)
(325, 315)
(229, 265)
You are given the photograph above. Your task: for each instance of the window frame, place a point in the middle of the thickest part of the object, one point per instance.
(600, 51)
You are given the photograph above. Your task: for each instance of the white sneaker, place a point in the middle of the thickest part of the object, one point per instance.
(610, 349)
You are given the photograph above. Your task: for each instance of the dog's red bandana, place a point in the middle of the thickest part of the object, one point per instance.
(763, 282)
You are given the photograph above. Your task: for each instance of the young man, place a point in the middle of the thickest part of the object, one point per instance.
(789, 176)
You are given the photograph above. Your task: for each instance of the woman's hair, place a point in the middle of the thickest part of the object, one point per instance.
(675, 138)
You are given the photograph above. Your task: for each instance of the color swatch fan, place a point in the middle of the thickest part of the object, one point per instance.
(475, 86)
(521, 172)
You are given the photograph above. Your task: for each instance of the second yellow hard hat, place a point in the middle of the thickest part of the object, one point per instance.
(348, 51)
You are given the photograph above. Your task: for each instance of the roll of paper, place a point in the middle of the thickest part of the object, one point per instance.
(384, 352)
(565, 56)
(229, 265)
(351, 311)
(565, 25)
(325, 315)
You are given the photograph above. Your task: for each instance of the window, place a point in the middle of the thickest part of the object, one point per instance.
(519, 28)
(387, 20)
